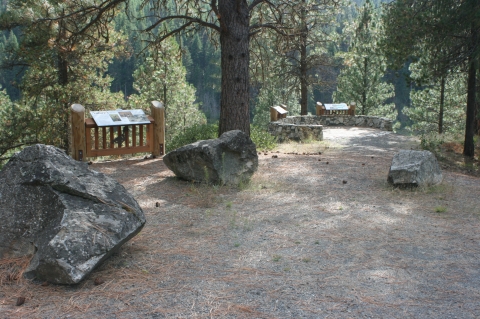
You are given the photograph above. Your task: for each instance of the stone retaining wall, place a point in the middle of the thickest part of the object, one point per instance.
(299, 128)
(295, 132)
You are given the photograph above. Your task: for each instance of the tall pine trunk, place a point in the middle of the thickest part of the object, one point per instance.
(364, 89)
(469, 146)
(62, 69)
(235, 58)
(303, 62)
(303, 81)
(63, 81)
(442, 105)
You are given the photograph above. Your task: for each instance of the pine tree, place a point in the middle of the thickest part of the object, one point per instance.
(447, 31)
(438, 104)
(303, 50)
(362, 78)
(63, 64)
(163, 77)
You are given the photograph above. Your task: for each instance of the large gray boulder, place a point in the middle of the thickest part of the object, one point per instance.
(414, 168)
(67, 216)
(230, 159)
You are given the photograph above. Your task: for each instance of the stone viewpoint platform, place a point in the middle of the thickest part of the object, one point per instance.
(299, 128)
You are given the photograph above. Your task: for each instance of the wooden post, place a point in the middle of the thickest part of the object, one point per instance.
(320, 109)
(273, 114)
(78, 132)
(351, 109)
(282, 116)
(158, 114)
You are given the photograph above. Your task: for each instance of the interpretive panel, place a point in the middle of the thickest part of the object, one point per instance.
(119, 117)
(341, 106)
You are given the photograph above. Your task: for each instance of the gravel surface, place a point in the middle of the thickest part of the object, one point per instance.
(318, 233)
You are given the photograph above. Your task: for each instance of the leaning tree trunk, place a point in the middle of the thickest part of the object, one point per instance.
(234, 42)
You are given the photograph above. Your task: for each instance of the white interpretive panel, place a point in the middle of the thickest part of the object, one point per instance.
(331, 107)
(119, 117)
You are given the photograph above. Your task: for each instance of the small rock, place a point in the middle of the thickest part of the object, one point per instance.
(98, 281)
(20, 301)
(344, 181)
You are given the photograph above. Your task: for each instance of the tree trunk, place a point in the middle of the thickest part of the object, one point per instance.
(365, 83)
(303, 82)
(62, 68)
(303, 63)
(442, 105)
(63, 81)
(469, 145)
(235, 58)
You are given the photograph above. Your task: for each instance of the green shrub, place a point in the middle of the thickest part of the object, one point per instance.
(262, 139)
(192, 134)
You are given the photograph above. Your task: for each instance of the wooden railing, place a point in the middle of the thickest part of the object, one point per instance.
(118, 140)
(90, 140)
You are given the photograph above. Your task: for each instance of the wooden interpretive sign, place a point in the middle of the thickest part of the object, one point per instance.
(119, 117)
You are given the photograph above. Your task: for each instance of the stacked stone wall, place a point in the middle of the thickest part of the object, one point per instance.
(300, 128)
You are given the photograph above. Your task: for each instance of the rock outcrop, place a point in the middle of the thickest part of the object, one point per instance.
(68, 217)
(230, 159)
(414, 168)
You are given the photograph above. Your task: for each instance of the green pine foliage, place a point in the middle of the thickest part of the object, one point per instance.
(59, 69)
(162, 77)
(362, 79)
(424, 111)
(447, 33)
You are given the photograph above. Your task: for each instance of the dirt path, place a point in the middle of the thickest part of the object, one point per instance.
(312, 236)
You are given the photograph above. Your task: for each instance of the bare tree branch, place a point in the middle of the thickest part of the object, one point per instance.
(189, 19)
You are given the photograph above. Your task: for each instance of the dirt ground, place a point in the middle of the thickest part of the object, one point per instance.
(318, 233)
